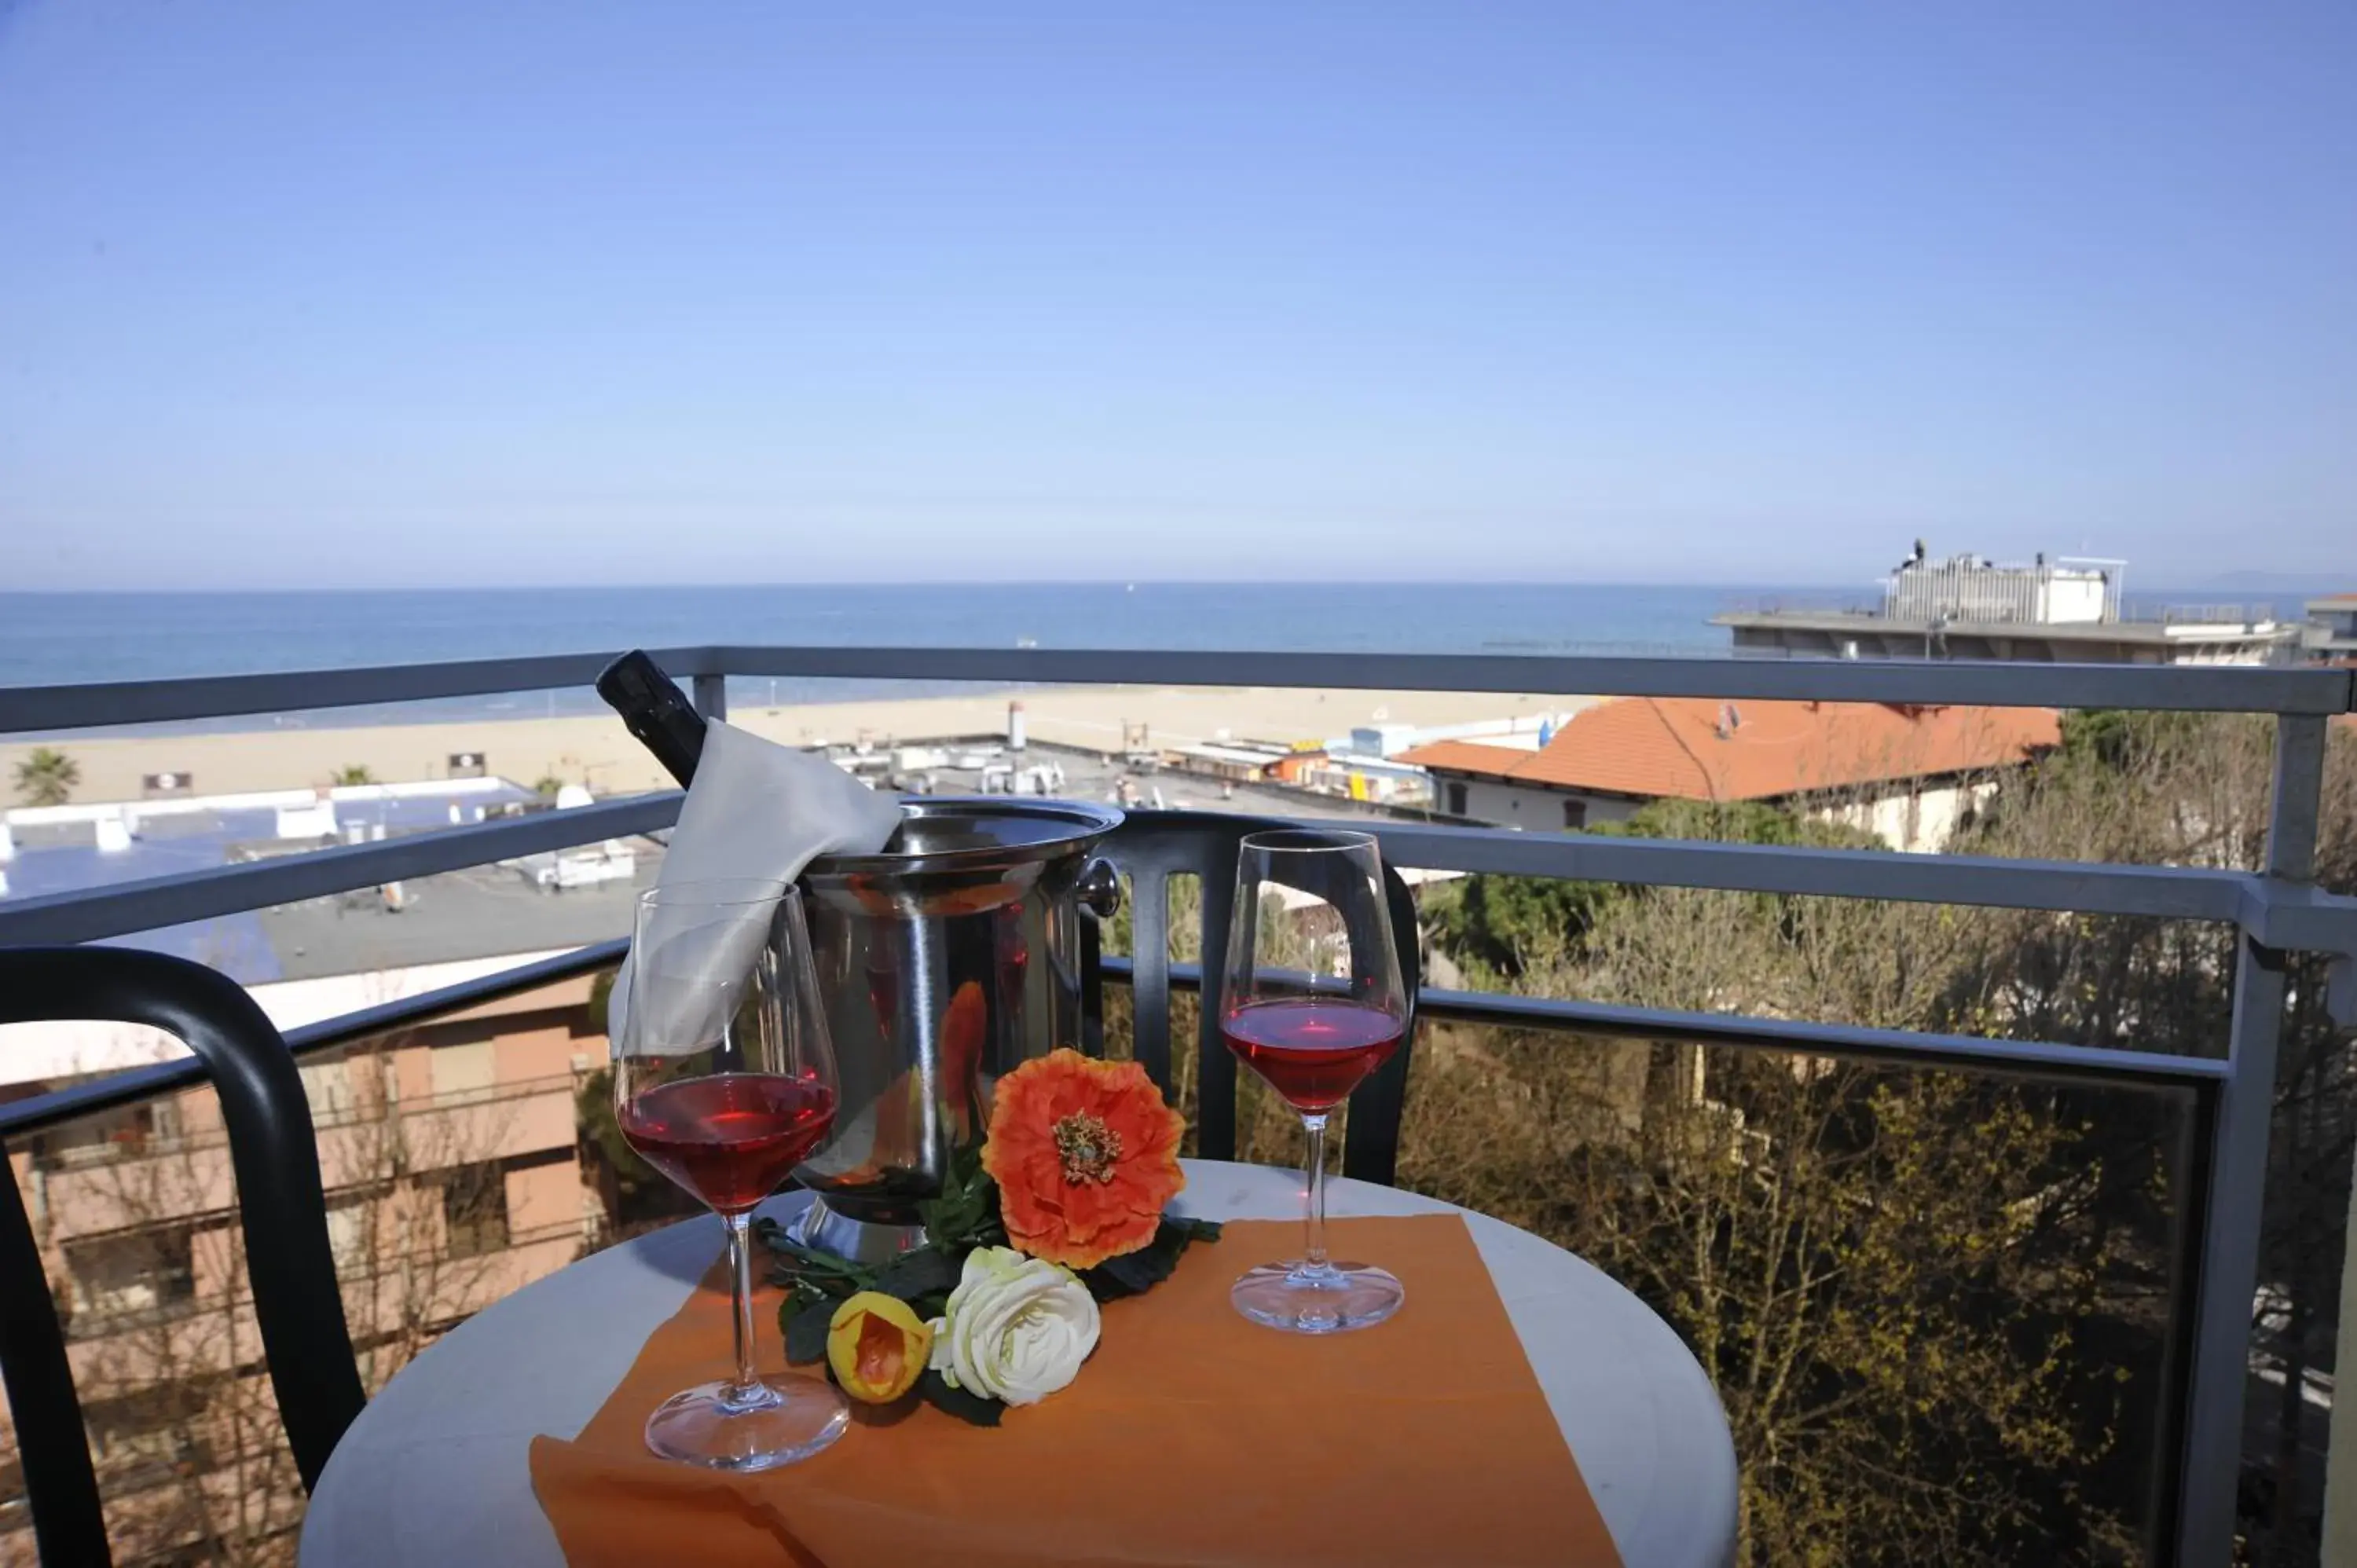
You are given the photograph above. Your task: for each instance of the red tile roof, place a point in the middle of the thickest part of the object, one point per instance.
(1698, 749)
(1469, 757)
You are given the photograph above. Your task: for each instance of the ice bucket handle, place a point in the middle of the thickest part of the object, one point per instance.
(1099, 889)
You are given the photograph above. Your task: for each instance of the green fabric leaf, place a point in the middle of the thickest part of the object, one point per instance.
(966, 1215)
(1118, 1277)
(805, 1331)
(923, 1272)
(1135, 1274)
(964, 1403)
(808, 1270)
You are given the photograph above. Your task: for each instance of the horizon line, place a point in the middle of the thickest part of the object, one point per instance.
(2287, 582)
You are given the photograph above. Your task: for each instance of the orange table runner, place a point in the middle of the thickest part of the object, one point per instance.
(1191, 1437)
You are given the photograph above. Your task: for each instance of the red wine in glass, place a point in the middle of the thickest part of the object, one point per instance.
(730, 1139)
(1314, 1001)
(1312, 1050)
(724, 1079)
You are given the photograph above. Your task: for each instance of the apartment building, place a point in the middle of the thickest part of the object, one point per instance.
(454, 1168)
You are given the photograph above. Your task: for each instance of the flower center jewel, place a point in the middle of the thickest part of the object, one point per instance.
(1087, 1147)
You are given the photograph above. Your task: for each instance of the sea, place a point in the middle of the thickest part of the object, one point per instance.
(71, 638)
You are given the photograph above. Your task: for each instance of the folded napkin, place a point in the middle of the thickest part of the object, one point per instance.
(756, 810)
(1191, 1437)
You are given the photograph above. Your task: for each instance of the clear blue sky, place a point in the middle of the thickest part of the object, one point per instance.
(325, 295)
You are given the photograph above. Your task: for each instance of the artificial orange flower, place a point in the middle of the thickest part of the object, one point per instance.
(1085, 1153)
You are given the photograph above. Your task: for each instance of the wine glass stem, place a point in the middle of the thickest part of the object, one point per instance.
(747, 1387)
(1313, 1255)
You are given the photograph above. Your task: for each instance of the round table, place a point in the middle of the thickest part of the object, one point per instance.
(435, 1471)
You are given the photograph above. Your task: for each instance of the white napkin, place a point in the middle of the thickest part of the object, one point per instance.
(756, 810)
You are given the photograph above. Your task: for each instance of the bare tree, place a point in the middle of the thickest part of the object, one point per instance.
(1850, 1252)
(1932, 1304)
(148, 1263)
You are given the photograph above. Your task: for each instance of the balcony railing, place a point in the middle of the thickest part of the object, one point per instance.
(2276, 912)
(347, 1111)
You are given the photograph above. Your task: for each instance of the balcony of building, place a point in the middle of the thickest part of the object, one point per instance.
(1610, 1100)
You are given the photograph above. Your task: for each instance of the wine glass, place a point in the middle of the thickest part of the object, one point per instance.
(725, 1080)
(1313, 1004)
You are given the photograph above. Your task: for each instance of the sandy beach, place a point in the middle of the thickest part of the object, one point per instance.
(598, 752)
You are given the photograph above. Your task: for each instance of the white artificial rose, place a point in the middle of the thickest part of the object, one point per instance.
(1015, 1329)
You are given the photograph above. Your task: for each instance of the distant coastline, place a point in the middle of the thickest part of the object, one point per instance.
(72, 639)
(54, 638)
(597, 751)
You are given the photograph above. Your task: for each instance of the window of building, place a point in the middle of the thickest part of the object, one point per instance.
(467, 1071)
(1456, 799)
(475, 1209)
(132, 1273)
(348, 1232)
(160, 1428)
(328, 1085)
(1575, 815)
(107, 1134)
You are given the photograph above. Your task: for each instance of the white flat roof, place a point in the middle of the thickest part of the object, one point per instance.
(253, 800)
(38, 1053)
(1231, 754)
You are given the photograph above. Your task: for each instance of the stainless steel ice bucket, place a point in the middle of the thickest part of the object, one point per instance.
(944, 961)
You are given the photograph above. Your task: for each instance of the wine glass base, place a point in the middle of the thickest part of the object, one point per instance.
(791, 1419)
(1334, 1299)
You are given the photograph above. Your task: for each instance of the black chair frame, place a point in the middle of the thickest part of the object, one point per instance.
(1149, 848)
(280, 1203)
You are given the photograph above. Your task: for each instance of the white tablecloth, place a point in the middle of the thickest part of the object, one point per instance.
(435, 1473)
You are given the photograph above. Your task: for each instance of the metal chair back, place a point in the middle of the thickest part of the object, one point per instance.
(280, 1203)
(1150, 847)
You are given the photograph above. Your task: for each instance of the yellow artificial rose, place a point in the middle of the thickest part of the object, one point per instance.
(876, 1347)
